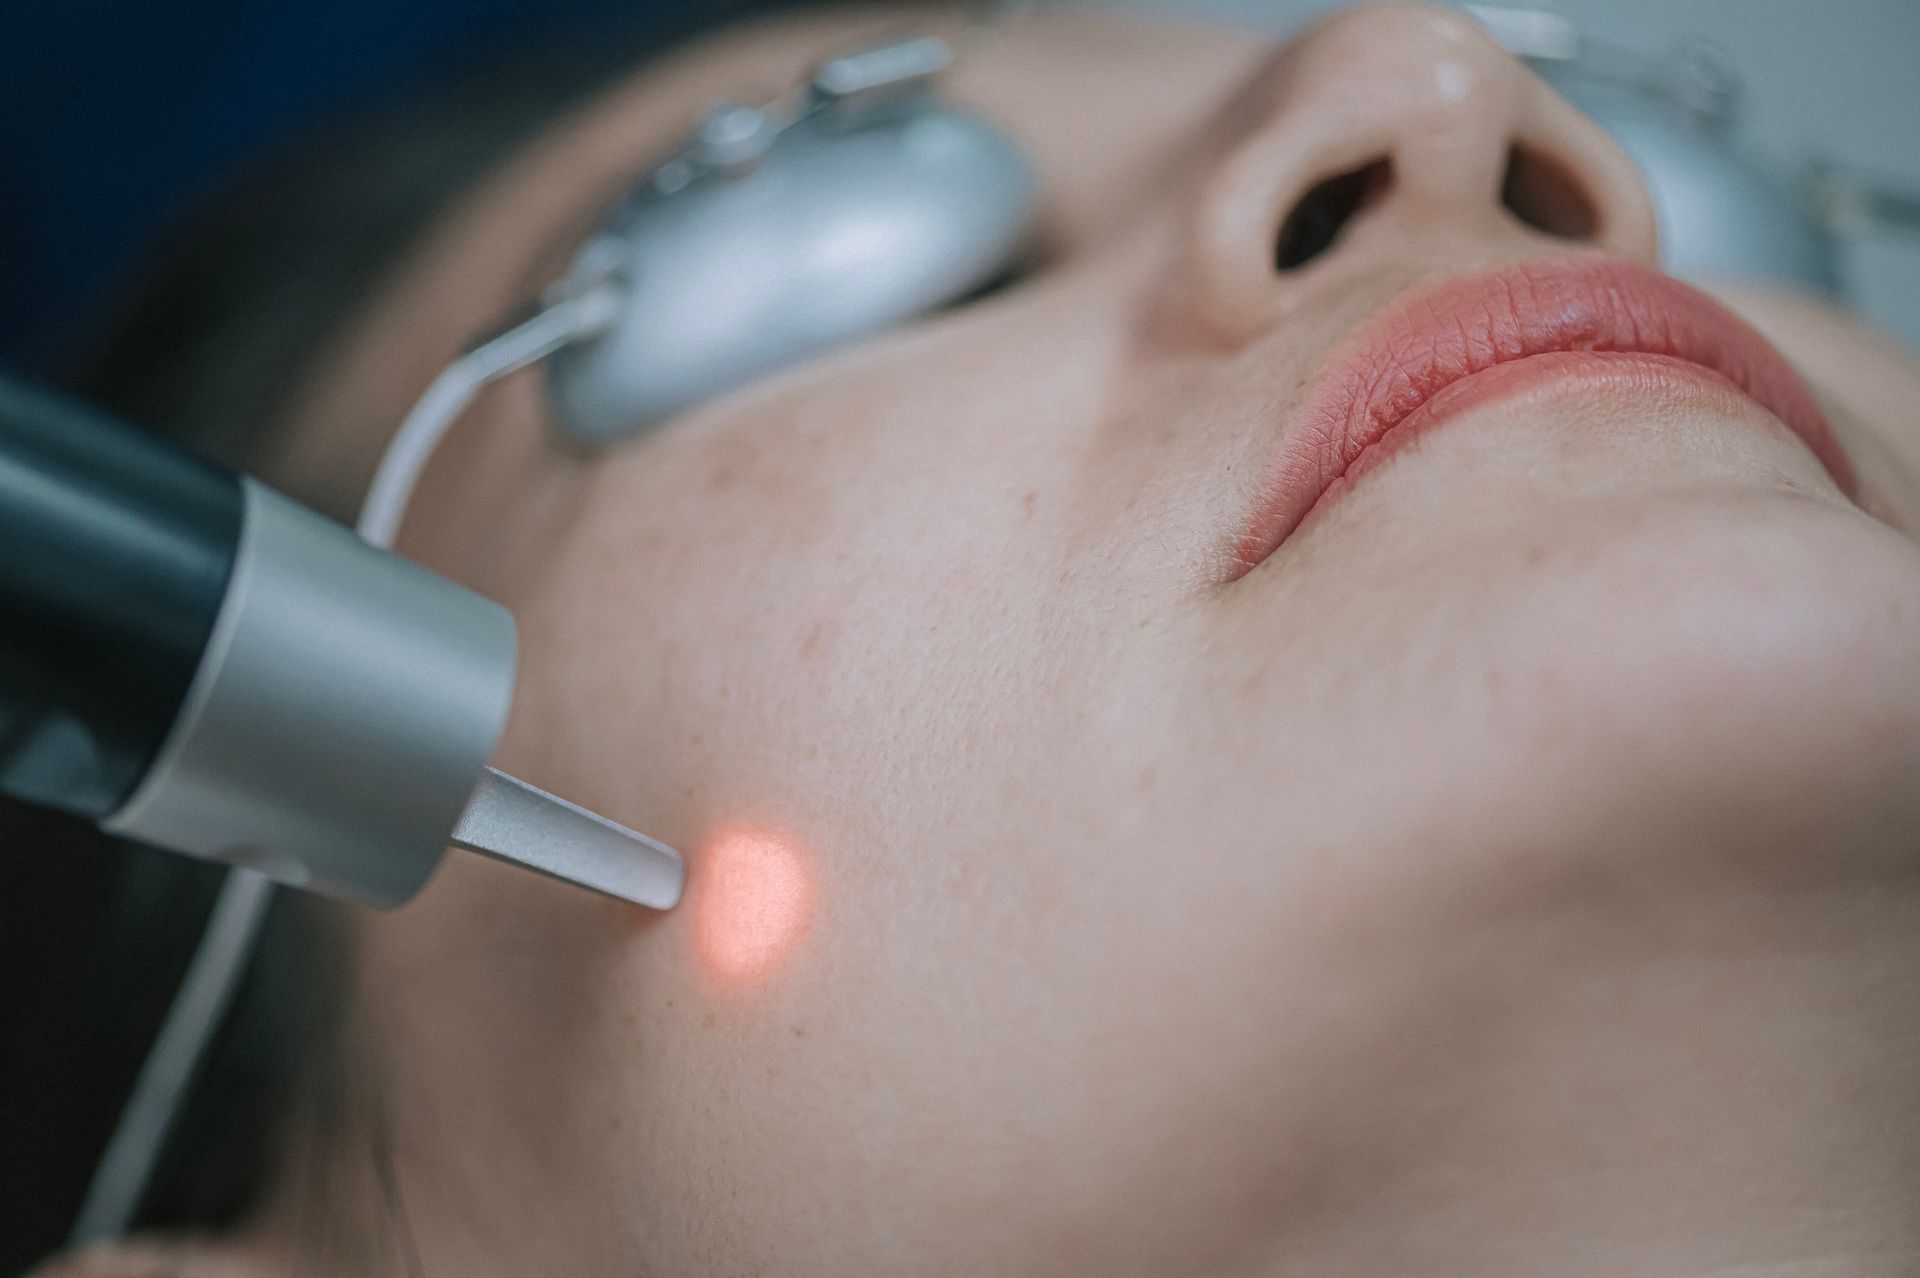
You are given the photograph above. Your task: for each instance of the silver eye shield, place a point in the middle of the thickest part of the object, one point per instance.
(776, 232)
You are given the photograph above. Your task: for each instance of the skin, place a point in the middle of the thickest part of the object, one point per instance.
(1517, 873)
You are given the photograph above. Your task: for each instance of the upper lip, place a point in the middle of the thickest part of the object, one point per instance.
(1407, 352)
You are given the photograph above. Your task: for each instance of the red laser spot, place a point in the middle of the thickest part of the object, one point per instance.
(752, 897)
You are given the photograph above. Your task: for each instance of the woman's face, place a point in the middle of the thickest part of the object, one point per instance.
(1063, 896)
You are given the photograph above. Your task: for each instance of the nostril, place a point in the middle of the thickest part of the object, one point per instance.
(1324, 211)
(1543, 192)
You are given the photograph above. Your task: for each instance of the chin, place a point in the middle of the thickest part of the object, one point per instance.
(1733, 664)
(1668, 611)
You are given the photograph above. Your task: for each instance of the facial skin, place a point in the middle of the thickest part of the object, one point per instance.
(1515, 874)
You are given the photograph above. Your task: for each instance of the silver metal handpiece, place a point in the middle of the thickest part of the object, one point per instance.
(512, 821)
(336, 733)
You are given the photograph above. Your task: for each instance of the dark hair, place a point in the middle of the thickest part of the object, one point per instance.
(95, 935)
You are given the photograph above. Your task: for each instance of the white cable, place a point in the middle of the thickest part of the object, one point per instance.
(406, 456)
(567, 320)
(119, 1183)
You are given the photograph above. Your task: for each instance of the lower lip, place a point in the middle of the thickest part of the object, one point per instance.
(1627, 371)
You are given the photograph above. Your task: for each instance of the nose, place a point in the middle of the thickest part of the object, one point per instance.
(1398, 132)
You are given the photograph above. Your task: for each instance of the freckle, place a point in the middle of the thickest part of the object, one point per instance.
(1030, 501)
(815, 635)
(798, 1032)
(706, 1022)
(1148, 776)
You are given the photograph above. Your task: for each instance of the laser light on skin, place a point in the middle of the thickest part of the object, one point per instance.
(751, 894)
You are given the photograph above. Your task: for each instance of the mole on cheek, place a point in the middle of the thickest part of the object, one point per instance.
(751, 893)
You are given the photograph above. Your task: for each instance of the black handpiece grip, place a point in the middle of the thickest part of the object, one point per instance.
(115, 552)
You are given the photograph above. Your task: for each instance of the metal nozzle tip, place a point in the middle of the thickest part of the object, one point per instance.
(512, 821)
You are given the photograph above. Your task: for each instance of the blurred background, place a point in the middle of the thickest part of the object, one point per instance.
(125, 112)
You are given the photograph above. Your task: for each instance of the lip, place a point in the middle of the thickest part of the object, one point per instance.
(1472, 327)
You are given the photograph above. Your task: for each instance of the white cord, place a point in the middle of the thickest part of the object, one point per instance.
(567, 320)
(119, 1183)
(412, 445)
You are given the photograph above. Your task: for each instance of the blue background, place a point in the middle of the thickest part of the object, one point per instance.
(118, 111)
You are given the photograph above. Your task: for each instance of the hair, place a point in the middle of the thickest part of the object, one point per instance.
(206, 349)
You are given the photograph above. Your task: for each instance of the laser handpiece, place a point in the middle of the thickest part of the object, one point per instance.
(193, 661)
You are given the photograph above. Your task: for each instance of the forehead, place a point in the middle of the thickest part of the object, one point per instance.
(1099, 103)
